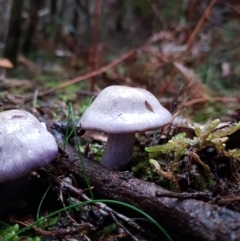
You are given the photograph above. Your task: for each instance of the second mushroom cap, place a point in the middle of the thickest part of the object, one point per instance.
(25, 145)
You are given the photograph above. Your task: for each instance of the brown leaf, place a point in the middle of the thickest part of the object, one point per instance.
(195, 87)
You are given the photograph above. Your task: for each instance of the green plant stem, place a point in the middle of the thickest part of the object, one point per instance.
(92, 202)
(67, 130)
(40, 204)
(79, 153)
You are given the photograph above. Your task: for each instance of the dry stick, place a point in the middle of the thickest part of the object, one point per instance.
(103, 206)
(95, 60)
(199, 100)
(63, 203)
(56, 233)
(120, 225)
(86, 76)
(188, 44)
(155, 10)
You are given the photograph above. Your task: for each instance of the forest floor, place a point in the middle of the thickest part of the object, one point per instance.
(190, 191)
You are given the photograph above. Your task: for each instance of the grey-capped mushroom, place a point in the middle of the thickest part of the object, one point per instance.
(122, 111)
(25, 145)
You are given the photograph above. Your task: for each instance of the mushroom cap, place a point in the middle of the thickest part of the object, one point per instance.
(122, 109)
(6, 63)
(25, 144)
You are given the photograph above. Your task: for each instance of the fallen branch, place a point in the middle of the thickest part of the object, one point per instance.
(70, 189)
(185, 218)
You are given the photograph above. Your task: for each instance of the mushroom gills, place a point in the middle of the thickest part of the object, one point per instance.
(118, 150)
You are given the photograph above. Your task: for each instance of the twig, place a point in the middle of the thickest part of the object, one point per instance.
(206, 98)
(85, 76)
(188, 44)
(205, 15)
(156, 12)
(95, 59)
(185, 195)
(102, 206)
(63, 203)
(228, 199)
(56, 233)
(120, 225)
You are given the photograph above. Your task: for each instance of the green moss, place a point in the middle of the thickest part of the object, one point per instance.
(180, 160)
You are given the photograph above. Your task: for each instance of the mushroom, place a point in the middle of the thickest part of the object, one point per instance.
(4, 63)
(122, 111)
(25, 145)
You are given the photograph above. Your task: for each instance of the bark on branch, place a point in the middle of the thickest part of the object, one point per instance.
(190, 219)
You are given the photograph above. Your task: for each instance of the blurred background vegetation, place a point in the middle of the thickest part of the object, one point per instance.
(180, 49)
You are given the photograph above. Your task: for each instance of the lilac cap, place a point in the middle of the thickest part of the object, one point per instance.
(25, 144)
(122, 109)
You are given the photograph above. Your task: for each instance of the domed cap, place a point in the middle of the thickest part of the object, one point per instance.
(6, 63)
(121, 109)
(25, 144)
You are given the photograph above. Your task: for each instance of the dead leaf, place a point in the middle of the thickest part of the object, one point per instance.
(195, 87)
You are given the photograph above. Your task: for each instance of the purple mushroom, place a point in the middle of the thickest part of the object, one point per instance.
(25, 145)
(122, 111)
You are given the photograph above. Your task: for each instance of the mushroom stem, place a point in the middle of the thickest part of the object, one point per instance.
(118, 150)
